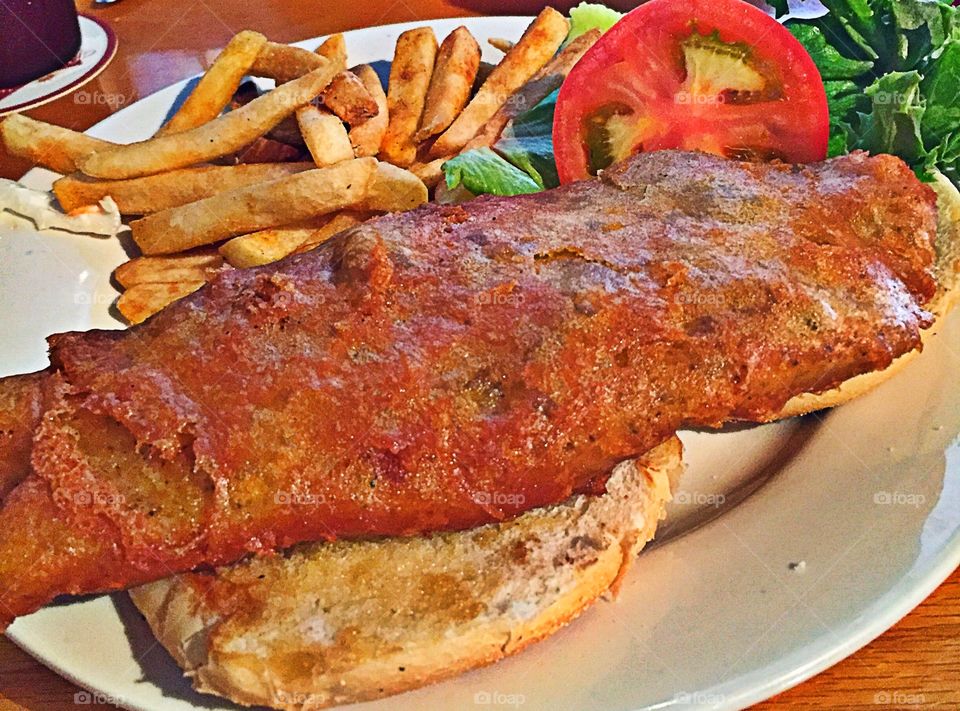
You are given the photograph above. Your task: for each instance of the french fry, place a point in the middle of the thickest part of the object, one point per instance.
(47, 145)
(219, 137)
(550, 77)
(142, 301)
(349, 99)
(255, 207)
(284, 63)
(337, 223)
(265, 246)
(453, 77)
(394, 189)
(430, 172)
(142, 196)
(410, 76)
(325, 135)
(334, 48)
(216, 87)
(346, 97)
(367, 136)
(504, 45)
(198, 265)
(533, 51)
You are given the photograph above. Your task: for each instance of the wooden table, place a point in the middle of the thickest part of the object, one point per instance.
(161, 42)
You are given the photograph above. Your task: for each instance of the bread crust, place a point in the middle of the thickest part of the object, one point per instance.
(321, 627)
(947, 273)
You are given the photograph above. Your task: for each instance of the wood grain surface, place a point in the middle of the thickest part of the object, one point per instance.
(916, 664)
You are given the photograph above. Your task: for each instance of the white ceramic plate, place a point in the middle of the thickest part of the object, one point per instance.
(718, 614)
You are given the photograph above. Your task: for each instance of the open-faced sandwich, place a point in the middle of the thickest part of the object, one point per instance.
(350, 453)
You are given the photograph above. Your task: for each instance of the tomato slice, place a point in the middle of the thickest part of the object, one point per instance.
(718, 76)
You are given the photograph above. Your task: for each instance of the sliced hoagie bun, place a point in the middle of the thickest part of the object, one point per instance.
(350, 621)
(947, 272)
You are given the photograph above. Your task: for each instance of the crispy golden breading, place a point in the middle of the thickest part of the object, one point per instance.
(519, 345)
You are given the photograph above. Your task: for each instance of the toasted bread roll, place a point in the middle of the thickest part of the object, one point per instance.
(350, 621)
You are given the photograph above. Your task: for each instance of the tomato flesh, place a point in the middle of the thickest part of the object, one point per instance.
(718, 76)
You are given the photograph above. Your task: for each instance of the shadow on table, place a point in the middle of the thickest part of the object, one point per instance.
(156, 665)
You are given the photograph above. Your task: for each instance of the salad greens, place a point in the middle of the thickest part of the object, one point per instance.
(591, 16)
(481, 171)
(891, 70)
(525, 149)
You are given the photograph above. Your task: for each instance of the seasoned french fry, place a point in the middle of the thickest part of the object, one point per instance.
(265, 246)
(285, 63)
(504, 45)
(334, 48)
(141, 196)
(47, 145)
(337, 223)
(431, 172)
(216, 87)
(367, 136)
(325, 135)
(550, 77)
(452, 81)
(410, 76)
(535, 48)
(219, 137)
(255, 207)
(142, 301)
(198, 265)
(394, 189)
(349, 99)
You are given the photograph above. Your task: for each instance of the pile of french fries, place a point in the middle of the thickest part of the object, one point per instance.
(284, 171)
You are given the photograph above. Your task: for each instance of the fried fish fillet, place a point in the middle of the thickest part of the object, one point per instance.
(458, 365)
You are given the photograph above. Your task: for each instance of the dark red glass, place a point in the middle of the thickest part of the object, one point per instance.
(36, 37)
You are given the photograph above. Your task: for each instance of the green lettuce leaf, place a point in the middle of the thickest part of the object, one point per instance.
(483, 171)
(528, 143)
(829, 61)
(590, 16)
(941, 89)
(893, 123)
